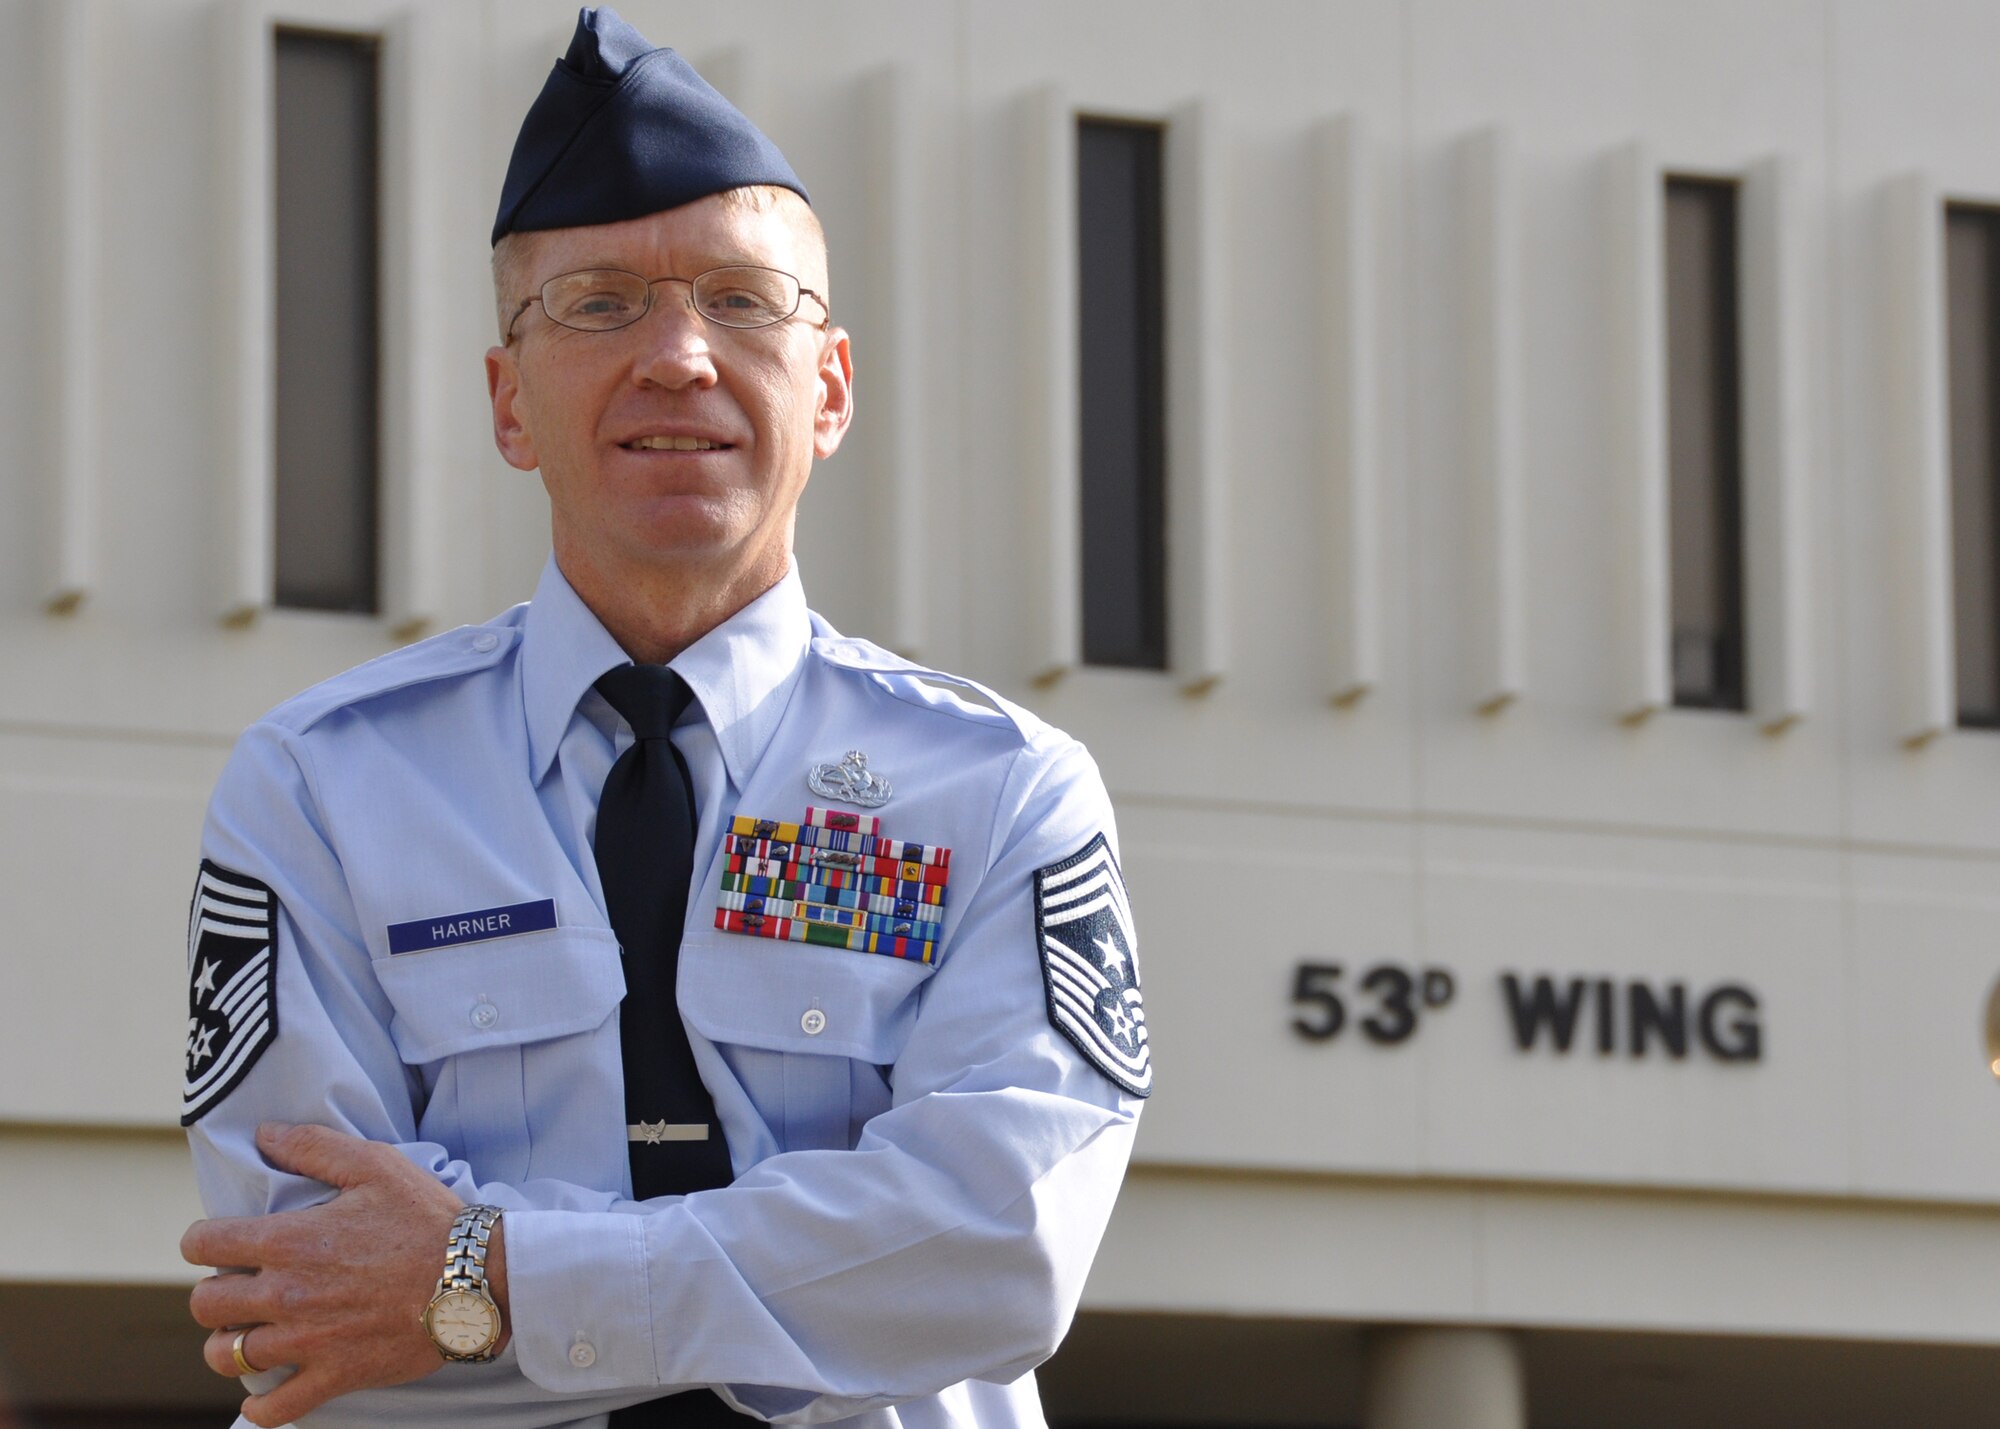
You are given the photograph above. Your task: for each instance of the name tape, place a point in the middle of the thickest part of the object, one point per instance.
(475, 927)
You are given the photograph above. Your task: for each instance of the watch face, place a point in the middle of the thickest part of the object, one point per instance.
(462, 1323)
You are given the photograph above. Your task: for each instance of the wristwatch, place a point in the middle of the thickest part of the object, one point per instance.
(462, 1320)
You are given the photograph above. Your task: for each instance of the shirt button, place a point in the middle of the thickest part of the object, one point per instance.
(814, 1022)
(484, 1015)
(582, 1355)
(485, 640)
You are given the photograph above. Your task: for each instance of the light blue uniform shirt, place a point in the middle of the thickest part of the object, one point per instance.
(921, 1181)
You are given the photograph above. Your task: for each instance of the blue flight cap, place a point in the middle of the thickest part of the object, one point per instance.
(622, 129)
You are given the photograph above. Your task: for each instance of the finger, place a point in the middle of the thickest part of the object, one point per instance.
(233, 1241)
(319, 1152)
(226, 1299)
(218, 1351)
(215, 1353)
(291, 1401)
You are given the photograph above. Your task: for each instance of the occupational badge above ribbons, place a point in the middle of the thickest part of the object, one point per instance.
(851, 781)
(833, 879)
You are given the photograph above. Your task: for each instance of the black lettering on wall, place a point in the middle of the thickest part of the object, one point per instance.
(1607, 1017)
(1542, 1006)
(1650, 1019)
(1741, 1038)
(1396, 1018)
(1545, 1011)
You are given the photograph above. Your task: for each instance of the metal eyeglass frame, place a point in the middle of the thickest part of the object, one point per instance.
(804, 292)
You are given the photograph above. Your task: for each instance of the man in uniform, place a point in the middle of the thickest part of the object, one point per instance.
(651, 1004)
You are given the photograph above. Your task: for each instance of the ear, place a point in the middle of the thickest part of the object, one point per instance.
(510, 429)
(836, 393)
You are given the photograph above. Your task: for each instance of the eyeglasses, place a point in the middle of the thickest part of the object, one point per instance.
(606, 299)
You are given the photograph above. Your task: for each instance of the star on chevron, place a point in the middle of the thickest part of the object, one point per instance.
(1114, 960)
(200, 1044)
(205, 979)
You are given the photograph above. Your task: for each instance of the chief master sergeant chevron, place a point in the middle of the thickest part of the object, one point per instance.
(752, 1014)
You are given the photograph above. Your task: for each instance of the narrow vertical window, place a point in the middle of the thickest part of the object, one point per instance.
(1121, 298)
(327, 326)
(1704, 445)
(1972, 327)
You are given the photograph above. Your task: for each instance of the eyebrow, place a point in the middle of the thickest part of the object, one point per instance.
(585, 265)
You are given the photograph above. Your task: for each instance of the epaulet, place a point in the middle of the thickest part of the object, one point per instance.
(445, 656)
(919, 685)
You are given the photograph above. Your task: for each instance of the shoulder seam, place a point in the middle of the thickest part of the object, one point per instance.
(999, 714)
(391, 672)
(891, 664)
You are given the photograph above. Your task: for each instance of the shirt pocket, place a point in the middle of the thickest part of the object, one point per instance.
(801, 1023)
(471, 1015)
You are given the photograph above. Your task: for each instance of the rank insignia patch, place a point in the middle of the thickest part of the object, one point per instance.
(233, 984)
(1084, 925)
(835, 880)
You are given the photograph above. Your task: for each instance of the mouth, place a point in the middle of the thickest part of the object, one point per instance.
(674, 444)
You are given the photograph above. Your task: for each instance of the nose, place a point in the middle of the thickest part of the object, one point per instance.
(673, 340)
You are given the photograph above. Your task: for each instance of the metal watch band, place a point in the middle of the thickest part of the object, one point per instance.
(465, 1251)
(465, 1271)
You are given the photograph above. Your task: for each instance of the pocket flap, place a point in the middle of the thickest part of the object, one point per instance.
(756, 992)
(509, 990)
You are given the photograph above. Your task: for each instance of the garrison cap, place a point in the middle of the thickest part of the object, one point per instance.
(622, 129)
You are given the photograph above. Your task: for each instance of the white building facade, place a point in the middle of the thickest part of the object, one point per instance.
(1535, 1050)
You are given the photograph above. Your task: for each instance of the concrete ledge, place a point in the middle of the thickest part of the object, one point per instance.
(91, 1207)
(1392, 1250)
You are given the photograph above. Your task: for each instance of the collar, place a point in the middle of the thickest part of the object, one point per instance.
(743, 671)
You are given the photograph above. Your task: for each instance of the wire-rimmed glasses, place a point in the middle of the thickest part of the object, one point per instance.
(739, 295)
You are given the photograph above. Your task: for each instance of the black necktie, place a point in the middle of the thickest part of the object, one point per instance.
(645, 860)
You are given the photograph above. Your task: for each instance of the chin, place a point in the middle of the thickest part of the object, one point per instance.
(707, 527)
(714, 546)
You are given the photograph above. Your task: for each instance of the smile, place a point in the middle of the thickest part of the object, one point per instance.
(674, 444)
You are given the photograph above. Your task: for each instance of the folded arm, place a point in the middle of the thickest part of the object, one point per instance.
(949, 1244)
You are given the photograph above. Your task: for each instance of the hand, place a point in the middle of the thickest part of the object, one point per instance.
(337, 1289)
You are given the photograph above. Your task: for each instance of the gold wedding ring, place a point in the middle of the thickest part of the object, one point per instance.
(243, 1366)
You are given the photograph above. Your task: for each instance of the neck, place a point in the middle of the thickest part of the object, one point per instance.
(655, 613)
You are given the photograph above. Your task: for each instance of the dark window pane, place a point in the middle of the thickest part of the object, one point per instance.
(1972, 291)
(326, 321)
(1704, 445)
(1121, 305)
